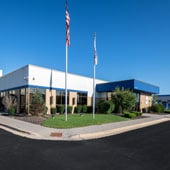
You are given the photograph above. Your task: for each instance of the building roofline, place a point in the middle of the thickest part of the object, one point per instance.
(130, 80)
(29, 65)
(128, 84)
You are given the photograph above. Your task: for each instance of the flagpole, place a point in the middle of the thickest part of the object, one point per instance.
(67, 45)
(66, 72)
(94, 77)
(94, 90)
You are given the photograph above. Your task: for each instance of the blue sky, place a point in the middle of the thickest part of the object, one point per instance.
(133, 38)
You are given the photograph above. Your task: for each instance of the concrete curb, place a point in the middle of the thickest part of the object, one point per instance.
(29, 134)
(16, 132)
(47, 134)
(117, 130)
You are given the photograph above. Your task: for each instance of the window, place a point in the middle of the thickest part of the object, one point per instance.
(137, 97)
(82, 98)
(73, 101)
(12, 92)
(60, 97)
(2, 94)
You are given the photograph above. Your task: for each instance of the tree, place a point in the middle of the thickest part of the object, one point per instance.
(37, 106)
(123, 99)
(105, 106)
(154, 99)
(10, 102)
(37, 98)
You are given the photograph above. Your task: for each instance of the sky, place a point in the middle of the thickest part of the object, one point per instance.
(132, 38)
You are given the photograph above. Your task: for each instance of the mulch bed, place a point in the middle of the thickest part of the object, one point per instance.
(31, 119)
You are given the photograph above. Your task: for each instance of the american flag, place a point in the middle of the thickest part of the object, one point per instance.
(95, 51)
(67, 26)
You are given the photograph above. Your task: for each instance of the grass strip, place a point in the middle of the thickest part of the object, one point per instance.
(76, 120)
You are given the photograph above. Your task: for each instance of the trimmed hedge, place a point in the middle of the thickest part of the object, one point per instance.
(53, 110)
(129, 115)
(60, 109)
(84, 108)
(81, 108)
(78, 108)
(167, 111)
(69, 109)
(89, 109)
(137, 113)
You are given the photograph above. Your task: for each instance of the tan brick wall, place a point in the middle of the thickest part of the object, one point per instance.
(145, 101)
(17, 92)
(89, 101)
(73, 96)
(48, 95)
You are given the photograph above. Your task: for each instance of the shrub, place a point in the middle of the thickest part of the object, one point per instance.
(60, 109)
(89, 109)
(69, 109)
(167, 111)
(137, 113)
(112, 107)
(123, 99)
(45, 110)
(158, 108)
(105, 106)
(38, 109)
(9, 101)
(53, 110)
(37, 106)
(84, 108)
(129, 115)
(11, 110)
(78, 108)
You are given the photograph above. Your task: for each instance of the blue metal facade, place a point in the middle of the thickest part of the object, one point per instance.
(135, 85)
(145, 87)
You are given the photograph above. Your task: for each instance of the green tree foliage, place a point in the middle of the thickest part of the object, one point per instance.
(37, 98)
(106, 106)
(158, 108)
(37, 106)
(154, 99)
(123, 99)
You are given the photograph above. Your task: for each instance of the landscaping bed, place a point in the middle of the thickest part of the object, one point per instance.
(31, 119)
(74, 120)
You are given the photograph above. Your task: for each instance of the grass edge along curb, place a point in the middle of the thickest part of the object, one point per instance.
(75, 120)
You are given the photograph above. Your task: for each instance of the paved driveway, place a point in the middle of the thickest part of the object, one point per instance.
(142, 149)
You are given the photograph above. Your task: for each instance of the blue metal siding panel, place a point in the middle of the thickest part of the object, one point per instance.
(109, 87)
(163, 97)
(135, 85)
(145, 87)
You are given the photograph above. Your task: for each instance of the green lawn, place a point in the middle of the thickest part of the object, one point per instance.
(75, 120)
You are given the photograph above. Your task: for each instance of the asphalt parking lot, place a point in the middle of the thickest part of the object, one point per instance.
(143, 149)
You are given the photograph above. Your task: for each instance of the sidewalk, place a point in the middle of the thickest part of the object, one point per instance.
(33, 131)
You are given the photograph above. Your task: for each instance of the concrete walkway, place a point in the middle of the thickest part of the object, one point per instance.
(33, 131)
